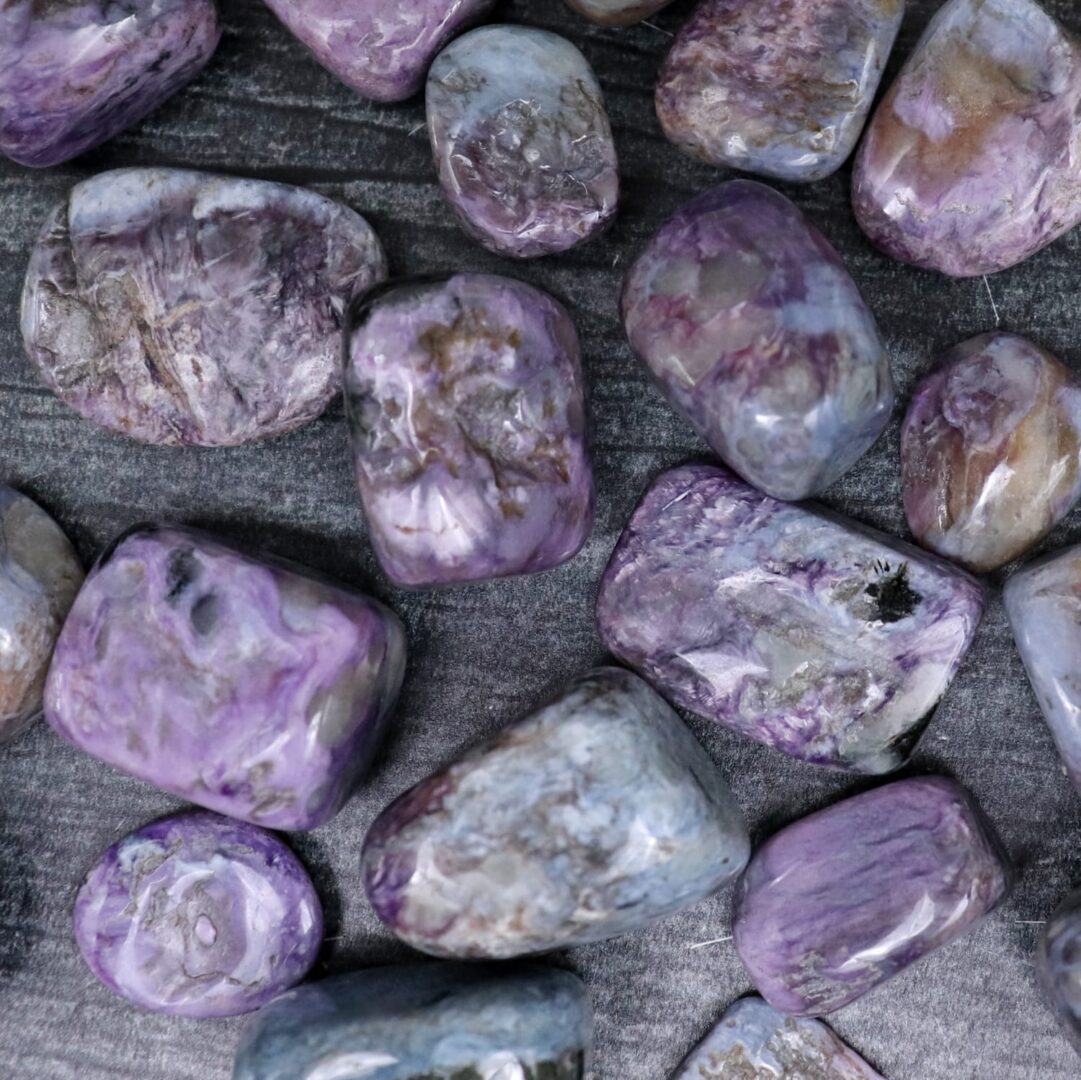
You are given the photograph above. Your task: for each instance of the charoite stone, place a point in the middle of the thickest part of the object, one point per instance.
(806, 632)
(842, 900)
(199, 916)
(757, 334)
(424, 1022)
(1058, 964)
(776, 87)
(969, 164)
(521, 140)
(247, 686)
(594, 816)
(182, 308)
(991, 450)
(74, 73)
(617, 12)
(466, 406)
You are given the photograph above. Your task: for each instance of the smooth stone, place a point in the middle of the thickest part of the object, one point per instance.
(593, 817)
(1058, 965)
(425, 1022)
(522, 141)
(803, 630)
(781, 88)
(617, 12)
(842, 900)
(465, 401)
(757, 334)
(74, 73)
(969, 163)
(249, 686)
(178, 307)
(199, 916)
(991, 451)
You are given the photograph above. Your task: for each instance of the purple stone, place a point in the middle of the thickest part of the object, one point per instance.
(969, 164)
(197, 915)
(182, 308)
(617, 12)
(74, 73)
(802, 630)
(846, 898)
(247, 686)
(1058, 965)
(466, 406)
(522, 141)
(754, 329)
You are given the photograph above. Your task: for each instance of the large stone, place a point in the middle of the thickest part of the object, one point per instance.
(617, 12)
(809, 633)
(182, 308)
(1058, 965)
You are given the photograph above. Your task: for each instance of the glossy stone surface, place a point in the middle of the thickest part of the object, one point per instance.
(1058, 965)
(755, 331)
(247, 686)
(969, 163)
(425, 1022)
(802, 630)
(178, 307)
(991, 450)
(522, 141)
(74, 73)
(466, 408)
(197, 915)
(840, 901)
(592, 817)
(617, 12)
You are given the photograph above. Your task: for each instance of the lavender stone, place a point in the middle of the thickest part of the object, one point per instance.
(199, 916)
(466, 406)
(617, 12)
(522, 141)
(755, 331)
(846, 898)
(74, 73)
(1058, 964)
(182, 308)
(246, 686)
(616, 817)
(806, 632)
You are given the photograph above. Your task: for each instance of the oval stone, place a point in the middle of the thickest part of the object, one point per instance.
(617, 12)
(1058, 965)
(182, 308)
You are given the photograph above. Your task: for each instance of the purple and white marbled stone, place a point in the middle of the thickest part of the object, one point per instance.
(814, 635)
(1058, 965)
(840, 901)
(617, 12)
(179, 307)
(199, 916)
(522, 141)
(250, 687)
(755, 331)
(74, 73)
(465, 402)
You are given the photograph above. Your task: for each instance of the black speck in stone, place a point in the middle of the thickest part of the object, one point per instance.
(894, 598)
(204, 614)
(182, 572)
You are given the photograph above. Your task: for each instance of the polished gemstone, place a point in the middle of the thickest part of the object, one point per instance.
(247, 686)
(197, 915)
(757, 334)
(466, 406)
(521, 140)
(811, 634)
(776, 87)
(991, 450)
(969, 164)
(1058, 964)
(183, 308)
(617, 12)
(592, 817)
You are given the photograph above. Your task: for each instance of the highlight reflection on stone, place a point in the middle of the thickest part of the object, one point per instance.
(1058, 965)
(617, 12)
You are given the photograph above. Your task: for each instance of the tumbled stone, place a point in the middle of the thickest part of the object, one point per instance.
(178, 307)
(969, 163)
(247, 686)
(776, 87)
(592, 817)
(521, 140)
(755, 331)
(74, 73)
(197, 915)
(425, 1022)
(617, 12)
(804, 631)
(991, 451)
(466, 408)
(840, 901)
(1058, 964)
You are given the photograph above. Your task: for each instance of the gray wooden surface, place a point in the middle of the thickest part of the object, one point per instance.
(483, 655)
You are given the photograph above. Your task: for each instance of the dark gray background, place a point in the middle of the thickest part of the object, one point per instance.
(483, 655)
